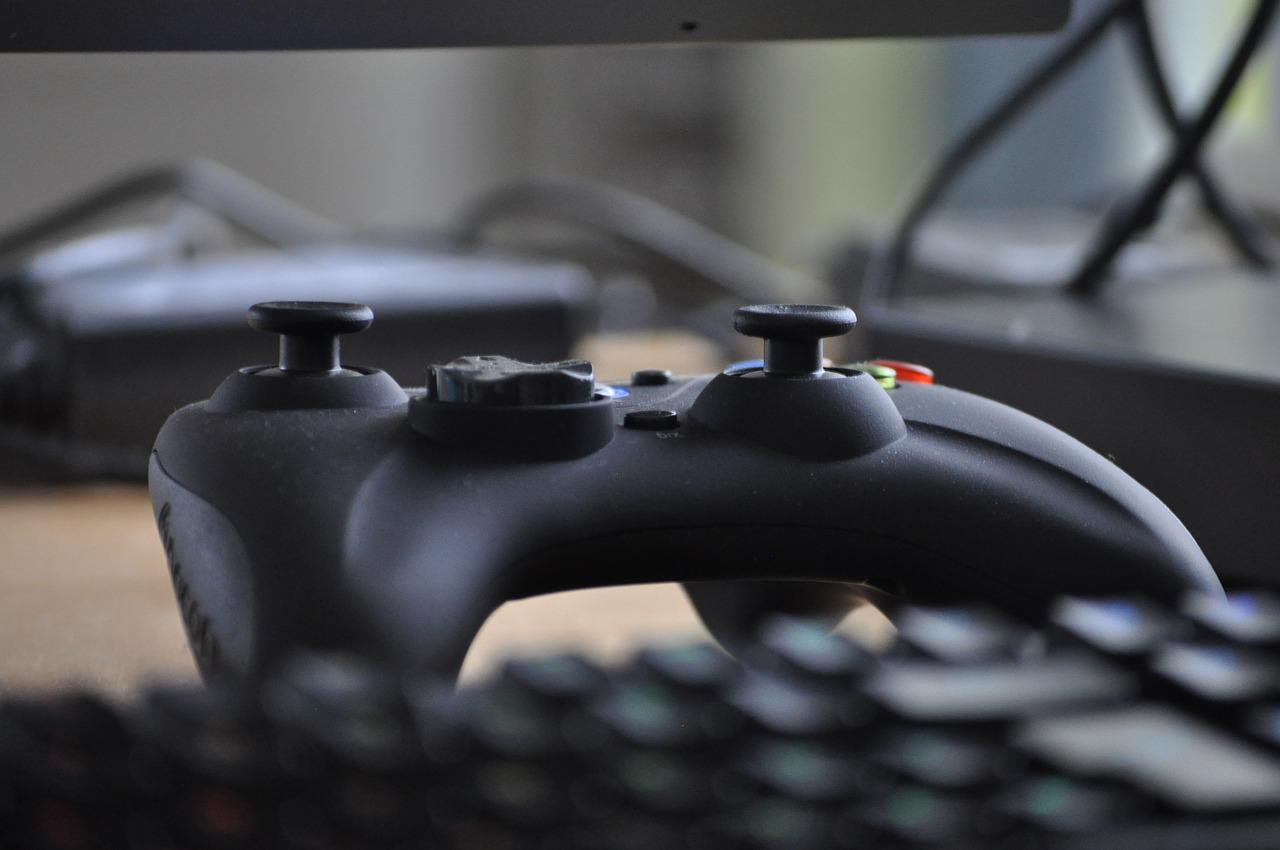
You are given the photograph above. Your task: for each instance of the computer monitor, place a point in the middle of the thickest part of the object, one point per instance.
(169, 25)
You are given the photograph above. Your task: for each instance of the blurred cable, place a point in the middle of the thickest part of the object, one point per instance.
(643, 225)
(1132, 217)
(235, 198)
(1244, 231)
(1127, 219)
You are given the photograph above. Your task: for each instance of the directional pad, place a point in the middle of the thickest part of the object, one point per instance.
(497, 380)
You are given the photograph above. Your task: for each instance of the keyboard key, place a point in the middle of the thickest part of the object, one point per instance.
(649, 714)
(695, 667)
(778, 824)
(1239, 833)
(215, 733)
(521, 792)
(1252, 618)
(943, 759)
(808, 650)
(986, 693)
(959, 635)
(918, 815)
(784, 708)
(802, 770)
(510, 723)
(1176, 758)
(663, 781)
(350, 707)
(1060, 804)
(1120, 627)
(1218, 673)
(1264, 723)
(76, 744)
(560, 678)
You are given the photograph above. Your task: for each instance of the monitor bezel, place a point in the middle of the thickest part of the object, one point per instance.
(234, 25)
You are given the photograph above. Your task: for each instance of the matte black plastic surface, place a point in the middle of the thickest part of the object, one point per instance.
(495, 380)
(360, 532)
(793, 321)
(134, 25)
(1174, 373)
(268, 388)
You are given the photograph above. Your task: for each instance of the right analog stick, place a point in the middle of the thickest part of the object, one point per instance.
(793, 334)
(309, 331)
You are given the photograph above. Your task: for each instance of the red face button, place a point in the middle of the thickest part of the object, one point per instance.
(908, 373)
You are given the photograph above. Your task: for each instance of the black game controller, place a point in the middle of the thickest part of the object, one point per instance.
(316, 505)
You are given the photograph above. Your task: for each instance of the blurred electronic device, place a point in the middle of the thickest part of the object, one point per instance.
(1155, 345)
(104, 334)
(130, 25)
(1111, 723)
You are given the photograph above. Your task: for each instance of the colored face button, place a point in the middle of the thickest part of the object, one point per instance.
(607, 391)
(885, 376)
(908, 373)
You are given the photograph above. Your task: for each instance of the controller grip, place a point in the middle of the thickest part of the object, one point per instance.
(210, 569)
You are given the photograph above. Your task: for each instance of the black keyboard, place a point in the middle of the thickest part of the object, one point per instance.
(1118, 724)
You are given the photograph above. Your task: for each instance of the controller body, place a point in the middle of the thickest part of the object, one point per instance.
(329, 508)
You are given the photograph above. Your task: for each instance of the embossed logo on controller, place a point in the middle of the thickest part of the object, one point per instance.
(198, 626)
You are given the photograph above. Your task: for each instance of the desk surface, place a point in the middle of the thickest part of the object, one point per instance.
(85, 598)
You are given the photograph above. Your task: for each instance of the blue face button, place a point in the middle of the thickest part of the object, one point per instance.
(1243, 604)
(1122, 610)
(745, 364)
(606, 391)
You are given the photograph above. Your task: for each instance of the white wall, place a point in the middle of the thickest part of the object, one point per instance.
(369, 138)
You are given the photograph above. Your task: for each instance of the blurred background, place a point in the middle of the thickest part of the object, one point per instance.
(782, 146)
(796, 151)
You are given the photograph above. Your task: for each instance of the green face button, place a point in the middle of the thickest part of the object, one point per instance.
(885, 376)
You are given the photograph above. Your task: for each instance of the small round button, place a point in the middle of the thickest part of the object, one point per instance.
(652, 420)
(651, 378)
(886, 376)
(911, 373)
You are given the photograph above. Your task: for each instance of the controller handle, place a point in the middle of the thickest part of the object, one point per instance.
(733, 612)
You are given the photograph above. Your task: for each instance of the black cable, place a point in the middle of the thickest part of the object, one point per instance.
(26, 438)
(641, 224)
(1236, 223)
(1128, 219)
(236, 198)
(888, 264)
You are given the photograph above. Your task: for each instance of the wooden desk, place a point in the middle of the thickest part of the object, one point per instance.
(84, 593)
(85, 598)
